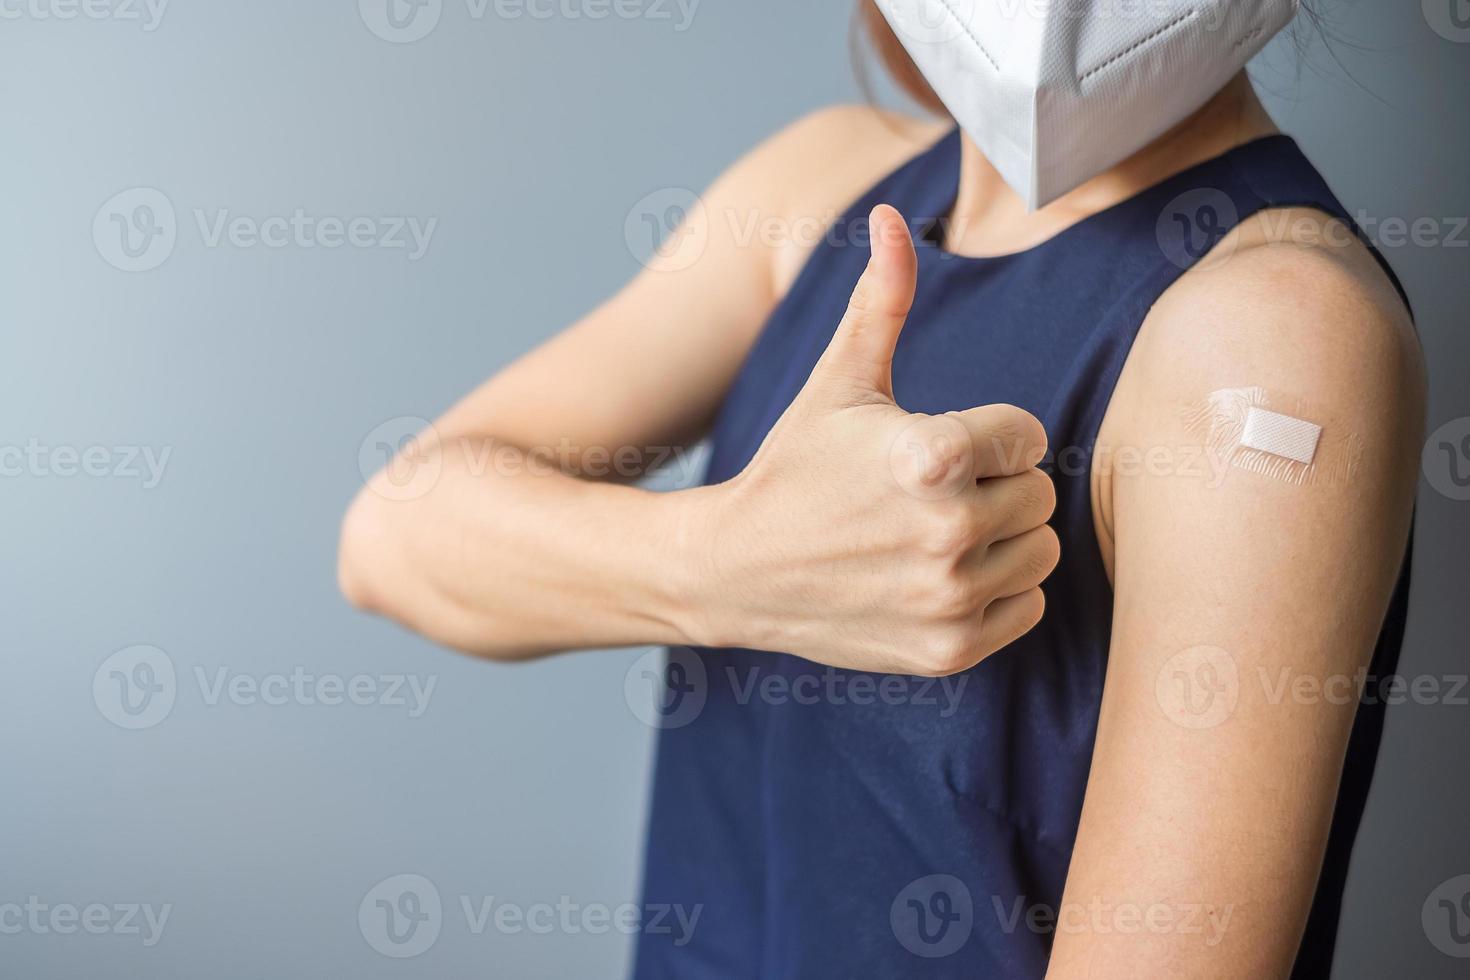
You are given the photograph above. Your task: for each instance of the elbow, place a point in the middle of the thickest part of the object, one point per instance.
(361, 553)
(373, 577)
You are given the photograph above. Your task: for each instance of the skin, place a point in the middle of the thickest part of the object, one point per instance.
(788, 556)
(928, 564)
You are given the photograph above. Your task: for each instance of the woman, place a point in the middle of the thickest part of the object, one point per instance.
(1185, 362)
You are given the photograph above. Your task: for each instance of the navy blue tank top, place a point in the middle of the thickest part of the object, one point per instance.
(831, 824)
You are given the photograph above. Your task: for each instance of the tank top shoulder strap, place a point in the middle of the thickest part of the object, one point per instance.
(1266, 174)
(1113, 267)
(1288, 179)
(1154, 238)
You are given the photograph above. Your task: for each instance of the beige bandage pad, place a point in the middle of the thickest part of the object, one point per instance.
(1253, 431)
(1280, 435)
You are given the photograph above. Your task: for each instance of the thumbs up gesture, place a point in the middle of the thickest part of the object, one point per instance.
(866, 537)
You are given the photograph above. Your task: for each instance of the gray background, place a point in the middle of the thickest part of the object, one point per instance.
(262, 370)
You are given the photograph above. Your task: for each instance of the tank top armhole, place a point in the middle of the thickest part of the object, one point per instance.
(1131, 311)
(1251, 200)
(1324, 201)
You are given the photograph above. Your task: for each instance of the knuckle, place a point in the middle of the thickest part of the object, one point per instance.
(1041, 558)
(1034, 495)
(866, 294)
(1003, 432)
(1031, 606)
(1002, 424)
(922, 453)
(1028, 497)
(948, 533)
(1042, 442)
(991, 517)
(938, 450)
(1032, 431)
(1052, 543)
(950, 598)
(933, 456)
(946, 651)
(1046, 492)
(860, 303)
(1036, 608)
(1016, 426)
(1048, 551)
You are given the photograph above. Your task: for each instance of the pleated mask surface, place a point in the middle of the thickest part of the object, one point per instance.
(1055, 92)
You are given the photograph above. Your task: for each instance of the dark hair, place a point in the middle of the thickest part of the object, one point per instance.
(869, 24)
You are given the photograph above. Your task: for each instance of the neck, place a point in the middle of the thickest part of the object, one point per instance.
(990, 219)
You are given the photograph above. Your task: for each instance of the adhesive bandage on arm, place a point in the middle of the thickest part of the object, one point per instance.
(1253, 430)
(1280, 435)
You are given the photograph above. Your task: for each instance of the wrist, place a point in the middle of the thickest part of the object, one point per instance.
(703, 612)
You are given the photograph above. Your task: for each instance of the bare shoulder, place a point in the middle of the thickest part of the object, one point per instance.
(803, 177)
(1291, 313)
(1289, 302)
(842, 147)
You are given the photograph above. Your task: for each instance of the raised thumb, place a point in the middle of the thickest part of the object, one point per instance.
(858, 362)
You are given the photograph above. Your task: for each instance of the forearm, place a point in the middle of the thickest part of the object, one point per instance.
(858, 536)
(505, 556)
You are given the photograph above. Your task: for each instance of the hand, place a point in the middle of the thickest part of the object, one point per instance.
(866, 537)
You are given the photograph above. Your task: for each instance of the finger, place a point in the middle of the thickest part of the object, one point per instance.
(1017, 565)
(1012, 505)
(860, 355)
(932, 457)
(1006, 439)
(1008, 619)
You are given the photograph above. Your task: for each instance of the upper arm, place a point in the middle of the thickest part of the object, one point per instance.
(1239, 592)
(647, 369)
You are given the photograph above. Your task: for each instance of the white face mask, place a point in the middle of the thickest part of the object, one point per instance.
(1054, 92)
